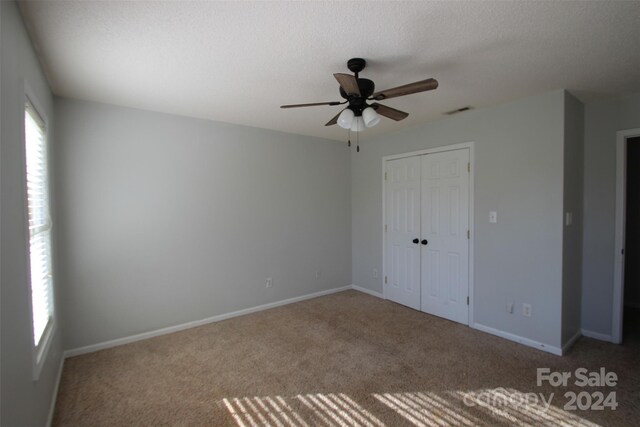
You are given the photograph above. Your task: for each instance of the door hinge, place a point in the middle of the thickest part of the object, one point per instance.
(385, 228)
(469, 167)
(468, 234)
(385, 176)
(467, 300)
(385, 280)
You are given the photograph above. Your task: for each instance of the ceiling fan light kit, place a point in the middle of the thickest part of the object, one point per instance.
(349, 120)
(358, 124)
(370, 117)
(346, 118)
(359, 115)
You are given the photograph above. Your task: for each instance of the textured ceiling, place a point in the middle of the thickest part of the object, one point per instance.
(237, 62)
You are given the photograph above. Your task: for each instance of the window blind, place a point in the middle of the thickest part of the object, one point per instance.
(39, 223)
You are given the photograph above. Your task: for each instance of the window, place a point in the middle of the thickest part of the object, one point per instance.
(39, 230)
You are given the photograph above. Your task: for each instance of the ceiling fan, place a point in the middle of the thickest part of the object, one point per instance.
(359, 114)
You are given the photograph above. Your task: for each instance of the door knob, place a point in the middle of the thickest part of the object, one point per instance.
(424, 242)
(416, 241)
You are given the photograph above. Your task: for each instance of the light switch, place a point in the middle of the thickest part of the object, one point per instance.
(569, 218)
(493, 217)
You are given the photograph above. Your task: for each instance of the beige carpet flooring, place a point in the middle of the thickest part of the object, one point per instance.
(347, 359)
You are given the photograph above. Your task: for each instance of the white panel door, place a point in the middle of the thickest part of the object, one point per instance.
(402, 217)
(444, 239)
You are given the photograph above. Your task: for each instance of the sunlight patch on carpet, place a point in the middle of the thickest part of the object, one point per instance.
(422, 409)
(488, 406)
(263, 411)
(302, 410)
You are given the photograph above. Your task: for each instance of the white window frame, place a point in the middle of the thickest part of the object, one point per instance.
(40, 351)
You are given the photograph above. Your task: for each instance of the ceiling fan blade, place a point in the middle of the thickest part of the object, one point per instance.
(348, 83)
(416, 87)
(311, 105)
(389, 112)
(335, 119)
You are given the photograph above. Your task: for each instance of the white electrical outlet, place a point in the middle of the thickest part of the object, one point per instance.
(510, 307)
(269, 282)
(375, 273)
(493, 217)
(526, 310)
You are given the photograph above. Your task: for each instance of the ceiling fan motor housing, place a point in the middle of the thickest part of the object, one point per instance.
(359, 103)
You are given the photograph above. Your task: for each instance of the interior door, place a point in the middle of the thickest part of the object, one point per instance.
(445, 239)
(402, 215)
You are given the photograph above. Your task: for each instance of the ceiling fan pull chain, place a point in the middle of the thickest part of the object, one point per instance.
(349, 139)
(357, 139)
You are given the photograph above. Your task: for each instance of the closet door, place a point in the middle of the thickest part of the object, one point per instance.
(402, 217)
(444, 239)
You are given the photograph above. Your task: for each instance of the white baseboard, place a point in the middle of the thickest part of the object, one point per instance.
(138, 337)
(188, 325)
(367, 291)
(571, 342)
(511, 337)
(597, 335)
(52, 407)
(516, 338)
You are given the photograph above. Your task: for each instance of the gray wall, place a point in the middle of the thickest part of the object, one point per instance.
(572, 235)
(24, 402)
(169, 219)
(518, 173)
(602, 121)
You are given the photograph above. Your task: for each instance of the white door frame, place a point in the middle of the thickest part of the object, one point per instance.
(618, 267)
(471, 146)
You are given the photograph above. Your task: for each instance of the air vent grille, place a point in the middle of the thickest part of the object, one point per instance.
(458, 110)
